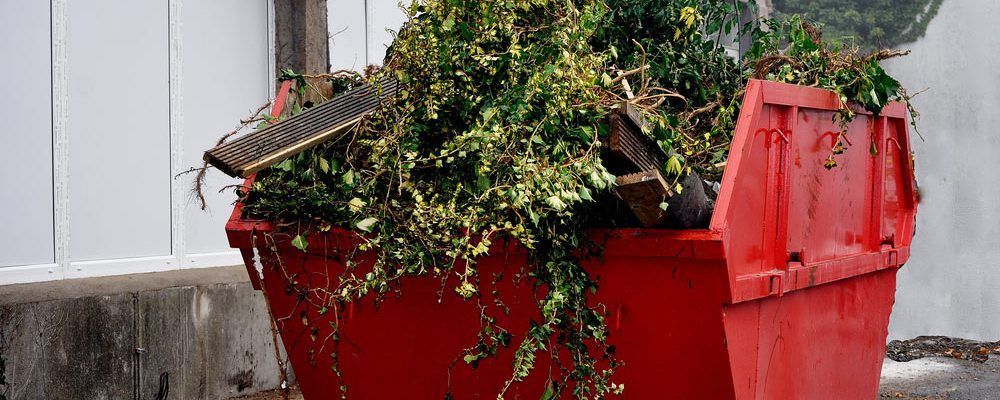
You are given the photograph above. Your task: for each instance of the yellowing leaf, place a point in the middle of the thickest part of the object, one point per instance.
(366, 224)
(356, 204)
(674, 165)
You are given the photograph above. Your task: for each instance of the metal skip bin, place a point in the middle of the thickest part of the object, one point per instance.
(786, 296)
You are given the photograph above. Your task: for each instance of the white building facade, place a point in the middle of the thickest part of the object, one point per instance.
(105, 102)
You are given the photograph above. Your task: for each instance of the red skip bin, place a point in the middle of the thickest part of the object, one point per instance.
(786, 296)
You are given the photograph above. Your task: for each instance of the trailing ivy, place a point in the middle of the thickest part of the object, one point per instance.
(496, 134)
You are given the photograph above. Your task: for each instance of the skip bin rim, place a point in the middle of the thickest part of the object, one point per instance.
(712, 243)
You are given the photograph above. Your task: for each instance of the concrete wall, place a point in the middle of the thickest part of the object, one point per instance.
(951, 286)
(195, 342)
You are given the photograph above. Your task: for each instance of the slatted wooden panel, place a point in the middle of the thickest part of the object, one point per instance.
(633, 147)
(261, 149)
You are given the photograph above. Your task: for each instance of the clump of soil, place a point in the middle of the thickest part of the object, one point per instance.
(940, 346)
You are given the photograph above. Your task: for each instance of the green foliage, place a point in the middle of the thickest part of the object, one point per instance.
(496, 134)
(792, 51)
(693, 86)
(874, 23)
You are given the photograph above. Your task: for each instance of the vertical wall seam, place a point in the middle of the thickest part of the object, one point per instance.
(176, 123)
(60, 138)
(138, 348)
(272, 67)
(369, 34)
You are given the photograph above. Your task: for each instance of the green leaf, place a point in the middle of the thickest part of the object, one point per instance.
(286, 165)
(556, 203)
(488, 114)
(448, 23)
(366, 224)
(300, 242)
(549, 394)
(349, 178)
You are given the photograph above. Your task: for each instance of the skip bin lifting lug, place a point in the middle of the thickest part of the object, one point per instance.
(776, 280)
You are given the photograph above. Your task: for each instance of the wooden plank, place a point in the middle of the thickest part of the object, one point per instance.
(271, 145)
(643, 192)
(636, 150)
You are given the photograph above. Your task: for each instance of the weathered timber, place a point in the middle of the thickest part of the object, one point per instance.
(638, 160)
(302, 40)
(636, 150)
(273, 144)
(643, 192)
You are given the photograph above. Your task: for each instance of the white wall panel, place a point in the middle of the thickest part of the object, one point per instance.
(383, 16)
(951, 285)
(346, 22)
(118, 127)
(226, 77)
(26, 233)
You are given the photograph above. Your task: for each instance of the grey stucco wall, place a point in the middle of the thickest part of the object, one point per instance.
(193, 342)
(951, 286)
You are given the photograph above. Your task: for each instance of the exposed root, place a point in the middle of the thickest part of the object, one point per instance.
(199, 180)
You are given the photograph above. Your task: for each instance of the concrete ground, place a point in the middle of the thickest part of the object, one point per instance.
(931, 378)
(941, 378)
(293, 394)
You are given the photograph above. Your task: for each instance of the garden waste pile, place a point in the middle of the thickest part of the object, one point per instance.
(529, 122)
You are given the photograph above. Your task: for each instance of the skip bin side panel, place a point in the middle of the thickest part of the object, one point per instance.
(665, 318)
(806, 201)
(406, 347)
(760, 333)
(829, 208)
(662, 313)
(827, 342)
(742, 325)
